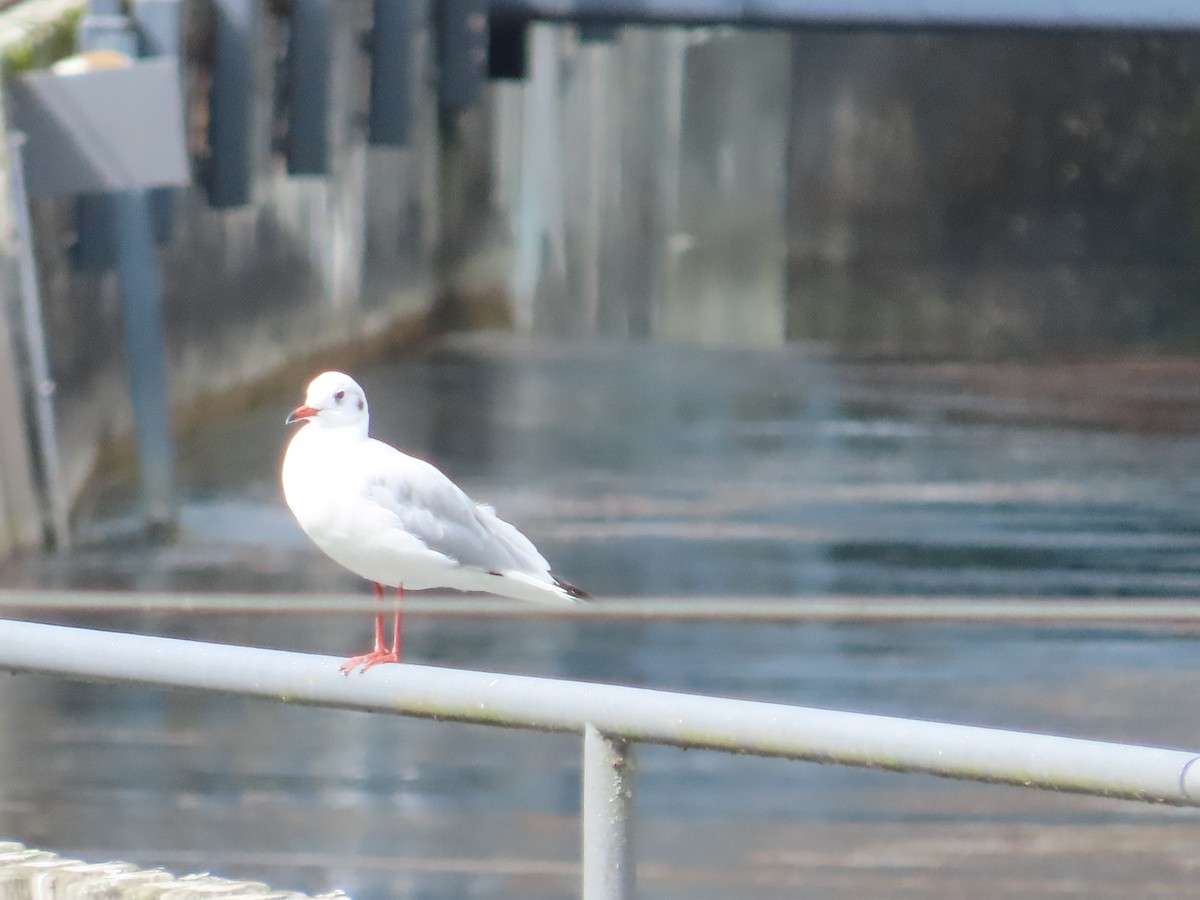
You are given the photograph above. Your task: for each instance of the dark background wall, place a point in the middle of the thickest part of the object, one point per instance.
(987, 195)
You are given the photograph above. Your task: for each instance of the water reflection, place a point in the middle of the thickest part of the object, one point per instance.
(650, 470)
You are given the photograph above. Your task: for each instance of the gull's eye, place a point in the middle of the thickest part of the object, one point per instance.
(339, 396)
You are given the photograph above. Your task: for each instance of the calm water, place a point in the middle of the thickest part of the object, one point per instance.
(663, 471)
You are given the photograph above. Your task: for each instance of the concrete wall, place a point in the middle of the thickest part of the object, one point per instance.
(995, 195)
(643, 184)
(894, 194)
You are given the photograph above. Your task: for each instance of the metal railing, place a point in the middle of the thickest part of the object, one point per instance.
(611, 720)
(1099, 611)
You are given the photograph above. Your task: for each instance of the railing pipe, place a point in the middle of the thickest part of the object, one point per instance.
(1056, 15)
(1133, 612)
(609, 775)
(636, 714)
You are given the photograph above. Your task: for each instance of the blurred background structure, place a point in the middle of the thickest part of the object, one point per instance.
(884, 307)
(916, 193)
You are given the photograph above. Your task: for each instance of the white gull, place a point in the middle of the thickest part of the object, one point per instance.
(397, 520)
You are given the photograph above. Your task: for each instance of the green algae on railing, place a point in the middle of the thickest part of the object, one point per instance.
(37, 33)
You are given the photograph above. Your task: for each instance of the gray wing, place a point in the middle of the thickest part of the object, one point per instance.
(434, 510)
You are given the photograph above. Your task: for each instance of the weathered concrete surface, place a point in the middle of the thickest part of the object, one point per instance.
(642, 184)
(994, 194)
(903, 194)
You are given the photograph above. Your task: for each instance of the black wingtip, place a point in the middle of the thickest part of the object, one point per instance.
(571, 591)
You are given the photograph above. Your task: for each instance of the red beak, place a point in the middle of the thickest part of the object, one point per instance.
(299, 414)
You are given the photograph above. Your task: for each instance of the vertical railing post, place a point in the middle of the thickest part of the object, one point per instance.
(141, 308)
(609, 772)
(57, 500)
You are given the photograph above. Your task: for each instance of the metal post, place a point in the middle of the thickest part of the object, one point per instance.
(609, 772)
(159, 32)
(460, 46)
(389, 115)
(229, 176)
(95, 250)
(35, 341)
(141, 299)
(134, 234)
(310, 68)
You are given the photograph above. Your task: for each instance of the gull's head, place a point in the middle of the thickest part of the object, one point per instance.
(333, 400)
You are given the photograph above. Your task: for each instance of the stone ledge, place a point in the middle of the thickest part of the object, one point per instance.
(27, 873)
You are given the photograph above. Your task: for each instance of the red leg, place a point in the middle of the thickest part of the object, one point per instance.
(378, 654)
(379, 619)
(396, 623)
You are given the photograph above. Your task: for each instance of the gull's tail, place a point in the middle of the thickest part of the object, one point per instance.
(522, 586)
(577, 594)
